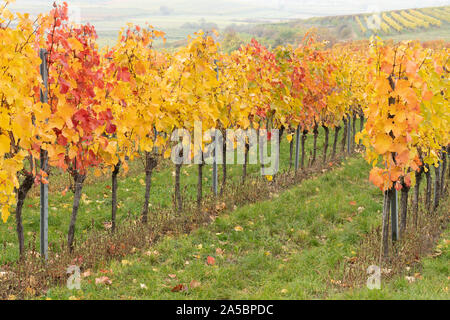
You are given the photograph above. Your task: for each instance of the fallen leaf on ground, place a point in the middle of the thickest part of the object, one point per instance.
(178, 288)
(210, 260)
(86, 274)
(194, 284)
(126, 263)
(105, 271)
(103, 280)
(143, 286)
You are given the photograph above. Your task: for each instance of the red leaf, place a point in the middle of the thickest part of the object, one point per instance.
(179, 287)
(62, 140)
(408, 181)
(210, 260)
(64, 86)
(110, 128)
(123, 75)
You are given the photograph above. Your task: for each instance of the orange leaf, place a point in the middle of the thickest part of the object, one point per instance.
(395, 173)
(427, 95)
(402, 158)
(382, 86)
(411, 68)
(376, 177)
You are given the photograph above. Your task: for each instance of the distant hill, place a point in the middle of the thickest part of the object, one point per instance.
(271, 21)
(409, 24)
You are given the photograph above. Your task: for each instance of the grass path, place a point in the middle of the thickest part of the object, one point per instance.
(284, 248)
(288, 247)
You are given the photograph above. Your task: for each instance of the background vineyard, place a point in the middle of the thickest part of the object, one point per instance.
(421, 24)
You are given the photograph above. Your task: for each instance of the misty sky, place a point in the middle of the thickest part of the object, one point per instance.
(253, 9)
(383, 5)
(338, 5)
(331, 6)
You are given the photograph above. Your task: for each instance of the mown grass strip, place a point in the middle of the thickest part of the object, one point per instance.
(285, 248)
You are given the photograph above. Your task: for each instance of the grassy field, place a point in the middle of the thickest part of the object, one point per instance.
(293, 246)
(287, 248)
(95, 209)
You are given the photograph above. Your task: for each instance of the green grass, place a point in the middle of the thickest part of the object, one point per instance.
(95, 207)
(288, 248)
(432, 281)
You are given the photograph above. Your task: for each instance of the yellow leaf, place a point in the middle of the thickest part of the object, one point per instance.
(289, 137)
(5, 213)
(382, 143)
(75, 44)
(4, 144)
(126, 263)
(97, 172)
